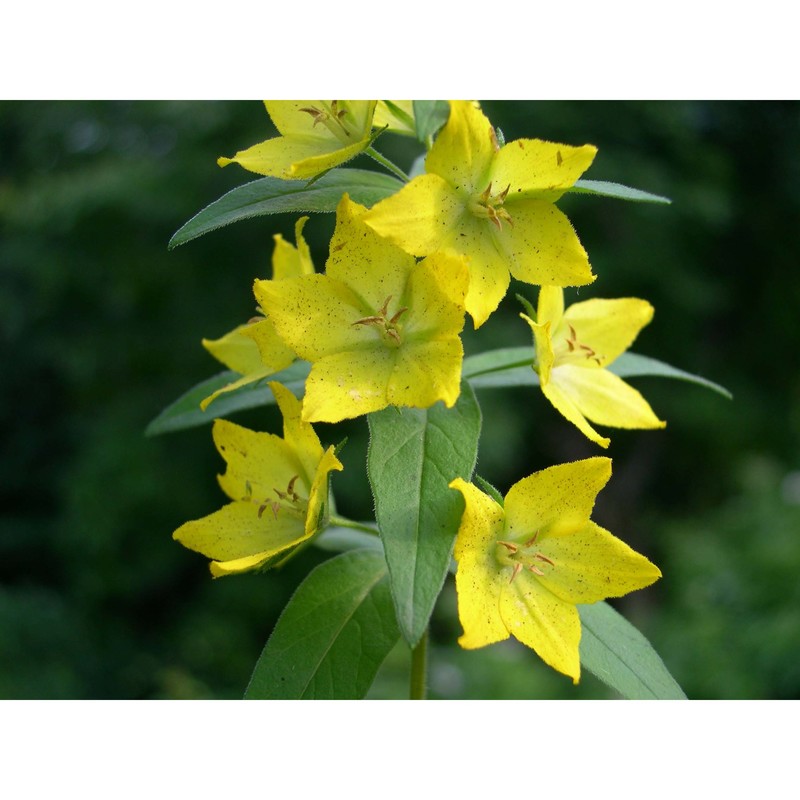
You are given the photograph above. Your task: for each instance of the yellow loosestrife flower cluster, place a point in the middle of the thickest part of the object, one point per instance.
(381, 327)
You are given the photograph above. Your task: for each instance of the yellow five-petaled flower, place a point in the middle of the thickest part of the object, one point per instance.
(316, 135)
(379, 328)
(573, 350)
(523, 566)
(278, 488)
(493, 205)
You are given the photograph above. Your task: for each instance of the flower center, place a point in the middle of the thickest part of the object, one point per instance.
(287, 501)
(387, 327)
(490, 206)
(335, 116)
(522, 556)
(578, 350)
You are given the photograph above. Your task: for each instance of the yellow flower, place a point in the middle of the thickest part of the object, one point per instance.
(379, 328)
(573, 349)
(316, 135)
(279, 489)
(255, 350)
(523, 566)
(492, 204)
(396, 116)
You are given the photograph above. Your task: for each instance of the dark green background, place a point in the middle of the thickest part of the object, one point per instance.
(100, 329)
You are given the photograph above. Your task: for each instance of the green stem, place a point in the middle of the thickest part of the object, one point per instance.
(381, 159)
(419, 669)
(343, 522)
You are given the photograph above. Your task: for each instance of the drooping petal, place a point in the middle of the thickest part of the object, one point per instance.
(245, 380)
(537, 169)
(348, 384)
(604, 398)
(237, 531)
(479, 579)
(551, 306)
(318, 496)
(464, 149)
(564, 404)
(544, 348)
(235, 351)
(542, 246)
(543, 622)
(274, 353)
(420, 217)
(609, 327)
(591, 564)
(558, 498)
(258, 463)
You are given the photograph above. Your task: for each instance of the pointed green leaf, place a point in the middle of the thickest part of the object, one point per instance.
(631, 365)
(613, 650)
(429, 116)
(276, 196)
(617, 190)
(185, 411)
(333, 635)
(413, 455)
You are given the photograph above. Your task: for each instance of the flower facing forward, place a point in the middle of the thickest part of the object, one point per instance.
(379, 328)
(255, 350)
(316, 135)
(494, 205)
(573, 349)
(278, 488)
(523, 566)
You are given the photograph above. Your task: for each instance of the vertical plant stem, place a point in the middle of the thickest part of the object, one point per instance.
(419, 669)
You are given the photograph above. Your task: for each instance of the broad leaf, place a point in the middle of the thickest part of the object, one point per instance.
(185, 411)
(429, 116)
(617, 190)
(333, 635)
(413, 455)
(511, 366)
(276, 196)
(613, 650)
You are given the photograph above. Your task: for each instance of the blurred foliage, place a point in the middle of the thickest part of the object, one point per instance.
(100, 329)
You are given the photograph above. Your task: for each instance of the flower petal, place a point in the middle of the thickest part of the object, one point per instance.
(289, 261)
(609, 327)
(235, 351)
(349, 384)
(258, 463)
(274, 353)
(318, 496)
(292, 158)
(298, 435)
(437, 288)
(542, 246)
(464, 149)
(420, 217)
(426, 372)
(543, 622)
(539, 169)
(591, 564)
(236, 531)
(479, 580)
(555, 499)
(564, 404)
(604, 398)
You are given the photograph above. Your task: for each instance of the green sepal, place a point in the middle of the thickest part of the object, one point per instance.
(276, 196)
(616, 190)
(332, 636)
(429, 116)
(412, 458)
(619, 655)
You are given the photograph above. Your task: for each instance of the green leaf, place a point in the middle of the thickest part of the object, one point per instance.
(413, 455)
(338, 540)
(185, 411)
(333, 635)
(511, 366)
(276, 196)
(429, 116)
(631, 365)
(613, 650)
(609, 189)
